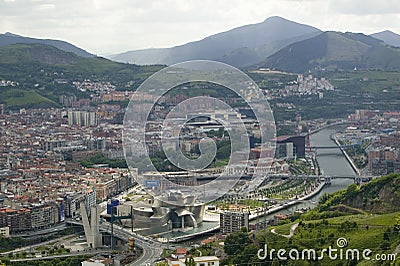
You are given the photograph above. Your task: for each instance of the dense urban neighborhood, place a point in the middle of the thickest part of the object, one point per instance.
(315, 180)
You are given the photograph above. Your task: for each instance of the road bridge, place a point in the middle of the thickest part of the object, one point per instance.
(333, 147)
(152, 250)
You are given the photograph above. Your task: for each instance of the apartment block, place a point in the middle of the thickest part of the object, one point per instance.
(233, 221)
(45, 215)
(82, 118)
(5, 231)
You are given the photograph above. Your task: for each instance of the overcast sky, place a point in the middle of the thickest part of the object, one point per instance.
(113, 26)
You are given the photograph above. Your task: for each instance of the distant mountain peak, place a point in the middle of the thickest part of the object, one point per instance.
(11, 34)
(275, 18)
(334, 50)
(9, 38)
(388, 37)
(241, 46)
(388, 31)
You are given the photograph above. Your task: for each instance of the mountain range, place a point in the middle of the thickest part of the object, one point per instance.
(263, 45)
(241, 46)
(335, 50)
(388, 37)
(11, 38)
(275, 43)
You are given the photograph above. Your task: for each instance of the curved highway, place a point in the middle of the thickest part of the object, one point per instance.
(152, 250)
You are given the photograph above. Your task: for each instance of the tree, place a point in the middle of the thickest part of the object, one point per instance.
(396, 228)
(275, 262)
(248, 255)
(235, 242)
(190, 261)
(224, 151)
(386, 235)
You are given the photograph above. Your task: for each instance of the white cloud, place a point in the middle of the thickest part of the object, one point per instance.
(103, 26)
(365, 7)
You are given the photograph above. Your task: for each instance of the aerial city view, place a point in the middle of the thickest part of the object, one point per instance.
(199, 133)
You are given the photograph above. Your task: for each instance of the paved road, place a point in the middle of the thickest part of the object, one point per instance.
(292, 230)
(28, 248)
(152, 250)
(57, 256)
(41, 232)
(397, 250)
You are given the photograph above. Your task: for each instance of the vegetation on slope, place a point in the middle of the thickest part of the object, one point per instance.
(367, 217)
(50, 72)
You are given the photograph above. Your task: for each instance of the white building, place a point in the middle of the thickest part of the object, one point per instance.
(200, 261)
(97, 262)
(82, 118)
(5, 231)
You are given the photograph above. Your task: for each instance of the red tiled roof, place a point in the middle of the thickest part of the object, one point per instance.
(181, 251)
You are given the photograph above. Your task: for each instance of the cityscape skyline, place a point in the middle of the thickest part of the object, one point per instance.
(271, 136)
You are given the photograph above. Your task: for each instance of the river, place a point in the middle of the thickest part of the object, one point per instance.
(332, 162)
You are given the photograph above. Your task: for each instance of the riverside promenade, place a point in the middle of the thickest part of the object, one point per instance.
(214, 217)
(287, 204)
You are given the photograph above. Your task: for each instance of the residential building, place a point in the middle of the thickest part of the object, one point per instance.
(44, 215)
(73, 201)
(112, 185)
(97, 262)
(5, 231)
(16, 220)
(180, 253)
(82, 118)
(384, 161)
(233, 221)
(199, 261)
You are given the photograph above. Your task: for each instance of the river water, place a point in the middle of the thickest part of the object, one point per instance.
(332, 162)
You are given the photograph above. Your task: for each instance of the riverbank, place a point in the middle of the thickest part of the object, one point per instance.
(287, 204)
(190, 236)
(332, 162)
(352, 164)
(251, 216)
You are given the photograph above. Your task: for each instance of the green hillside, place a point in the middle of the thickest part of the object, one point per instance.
(10, 38)
(50, 72)
(366, 216)
(335, 50)
(381, 195)
(17, 98)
